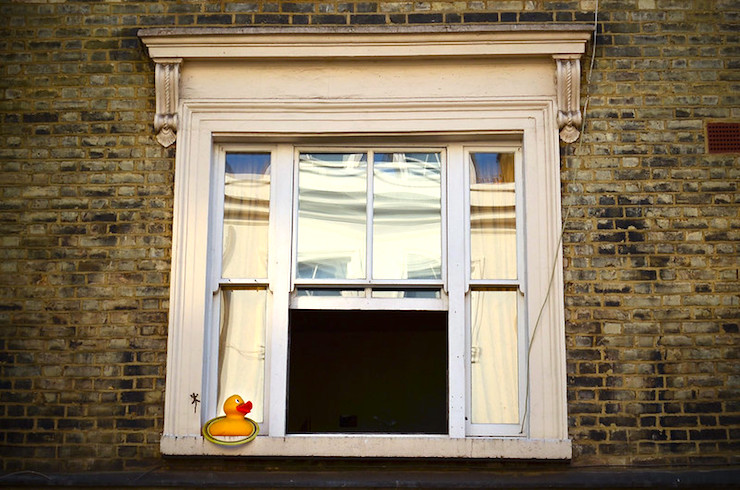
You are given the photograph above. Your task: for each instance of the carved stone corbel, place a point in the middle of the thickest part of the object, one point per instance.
(166, 84)
(568, 85)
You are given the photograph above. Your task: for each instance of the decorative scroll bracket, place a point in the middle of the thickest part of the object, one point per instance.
(568, 85)
(166, 83)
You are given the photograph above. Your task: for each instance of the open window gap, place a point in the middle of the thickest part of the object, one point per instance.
(361, 371)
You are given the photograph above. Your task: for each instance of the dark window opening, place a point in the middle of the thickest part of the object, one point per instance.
(367, 372)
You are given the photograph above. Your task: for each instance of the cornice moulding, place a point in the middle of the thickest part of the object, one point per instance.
(442, 41)
(167, 90)
(568, 84)
(170, 47)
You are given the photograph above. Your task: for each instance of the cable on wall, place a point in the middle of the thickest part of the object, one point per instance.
(565, 218)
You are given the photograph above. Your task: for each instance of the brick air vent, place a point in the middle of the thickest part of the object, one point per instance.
(723, 137)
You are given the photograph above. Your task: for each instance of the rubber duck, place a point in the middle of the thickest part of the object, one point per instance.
(234, 424)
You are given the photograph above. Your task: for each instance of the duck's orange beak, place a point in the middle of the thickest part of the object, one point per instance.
(244, 408)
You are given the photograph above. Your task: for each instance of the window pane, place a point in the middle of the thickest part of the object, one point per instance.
(334, 293)
(241, 350)
(246, 215)
(407, 222)
(494, 359)
(332, 215)
(407, 293)
(493, 252)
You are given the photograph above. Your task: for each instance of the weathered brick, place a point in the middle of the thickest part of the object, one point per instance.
(650, 243)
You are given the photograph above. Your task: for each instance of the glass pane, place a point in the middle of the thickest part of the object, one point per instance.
(246, 215)
(332, 215)
(407, 293)
(407, 223)
(241, 367)
(334, 293)
(494, 358)
(492, 216)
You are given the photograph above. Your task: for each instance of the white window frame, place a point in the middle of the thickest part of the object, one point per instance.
(370, 281)
(366, 303)
(528, 106)
(519, 283)
(216, 281)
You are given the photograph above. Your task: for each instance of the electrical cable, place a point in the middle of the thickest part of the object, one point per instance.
(565, 219)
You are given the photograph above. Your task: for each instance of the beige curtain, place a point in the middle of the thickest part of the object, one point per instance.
(241, 368)
(494, 356)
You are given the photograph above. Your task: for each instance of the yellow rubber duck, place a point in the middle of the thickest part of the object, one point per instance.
(234, 424)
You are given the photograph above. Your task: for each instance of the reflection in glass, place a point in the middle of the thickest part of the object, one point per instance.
(407, 293)
(246, 215)
(407, 222)
(494, 359)
(492, 216)
(332, 215)
(241, 350)
(331, 292)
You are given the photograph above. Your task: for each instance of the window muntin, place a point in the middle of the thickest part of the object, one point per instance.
(240, 309)
(372, 218)
(369, 217)
(495, 302)
(494, 305)
(355, 199)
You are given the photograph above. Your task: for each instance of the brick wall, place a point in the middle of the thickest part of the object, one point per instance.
(86, 211)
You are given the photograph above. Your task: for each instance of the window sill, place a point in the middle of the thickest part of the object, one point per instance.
(377, 447)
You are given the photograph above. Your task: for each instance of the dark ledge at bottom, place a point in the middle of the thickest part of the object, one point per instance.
(726, 477)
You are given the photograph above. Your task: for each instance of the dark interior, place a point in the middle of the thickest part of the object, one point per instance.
(367, 371)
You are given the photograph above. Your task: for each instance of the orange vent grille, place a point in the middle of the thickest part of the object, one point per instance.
(723, 137)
